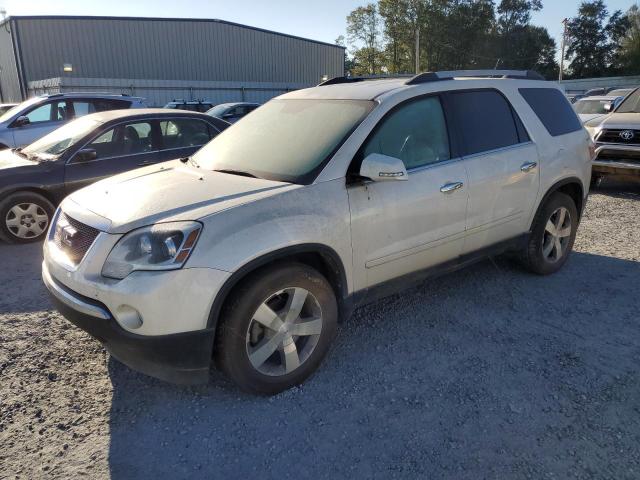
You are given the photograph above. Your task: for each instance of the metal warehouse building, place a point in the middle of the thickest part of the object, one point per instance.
(158, 59)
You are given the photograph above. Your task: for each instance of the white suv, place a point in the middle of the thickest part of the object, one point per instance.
(322, 199)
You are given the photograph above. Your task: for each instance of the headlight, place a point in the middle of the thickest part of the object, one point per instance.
(165, 246)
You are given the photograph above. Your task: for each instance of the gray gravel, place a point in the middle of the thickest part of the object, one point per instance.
(485, 373)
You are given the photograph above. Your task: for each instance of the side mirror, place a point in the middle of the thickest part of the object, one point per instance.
(382, 168)
(86, 155)
(21, 121)
(608, 107)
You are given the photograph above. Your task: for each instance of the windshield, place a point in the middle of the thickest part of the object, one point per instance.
(589, 107)
(284, 140)
(631, 104)
(18, 108)
(218, 110)
(53, 145)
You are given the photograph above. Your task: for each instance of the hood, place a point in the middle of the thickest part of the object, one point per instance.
(589, 117)
(171, 192)
(8, 159)
(622, 121)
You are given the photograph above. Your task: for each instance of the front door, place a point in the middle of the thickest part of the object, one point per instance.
(43, 119)
(405, 226)
(118, 149)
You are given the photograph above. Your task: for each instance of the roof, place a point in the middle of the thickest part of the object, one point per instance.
(144, 112)
(161, 19)
(374, 88)
(236, 104)
(89, 95)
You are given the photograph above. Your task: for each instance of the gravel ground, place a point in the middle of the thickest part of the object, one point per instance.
(485, 373)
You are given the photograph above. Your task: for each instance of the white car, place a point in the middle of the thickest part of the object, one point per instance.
(322, 199)
(592, 108)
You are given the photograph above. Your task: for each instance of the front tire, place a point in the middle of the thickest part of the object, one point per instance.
(277, 328)
(552, 235)
(25, 217)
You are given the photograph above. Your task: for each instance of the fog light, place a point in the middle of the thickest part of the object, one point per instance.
(128, 317)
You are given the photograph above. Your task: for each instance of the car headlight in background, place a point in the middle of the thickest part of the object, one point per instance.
(165, 246)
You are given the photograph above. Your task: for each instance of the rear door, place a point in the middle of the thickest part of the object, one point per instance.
(119, 148)
(502, 163)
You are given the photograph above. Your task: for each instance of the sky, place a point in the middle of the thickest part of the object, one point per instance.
(316, 20)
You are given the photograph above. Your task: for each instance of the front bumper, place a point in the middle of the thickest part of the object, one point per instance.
(623, 160)
(182, 358)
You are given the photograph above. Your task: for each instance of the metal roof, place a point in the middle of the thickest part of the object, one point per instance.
(162, 19)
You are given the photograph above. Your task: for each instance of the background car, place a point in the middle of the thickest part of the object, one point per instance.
(5, 107)
(232, 112)
(36, 178)
(34, 118)
(620, 92)
(590, 108)
(190, 105)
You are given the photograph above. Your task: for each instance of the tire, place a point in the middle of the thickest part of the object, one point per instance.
(543, 255)
(242, 342)
(25, 217)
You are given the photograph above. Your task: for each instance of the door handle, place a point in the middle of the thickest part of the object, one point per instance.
(527, 167)
(451, 187)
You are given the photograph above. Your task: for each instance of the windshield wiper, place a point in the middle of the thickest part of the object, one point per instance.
(19, 152)
(236, 172)
(190, 160)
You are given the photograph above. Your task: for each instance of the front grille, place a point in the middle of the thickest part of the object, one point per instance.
(614, 136)
(73, 237)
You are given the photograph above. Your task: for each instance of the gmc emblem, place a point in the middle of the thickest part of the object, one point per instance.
(67, 234)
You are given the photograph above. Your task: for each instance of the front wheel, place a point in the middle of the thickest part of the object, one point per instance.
(552, 235)
(277, 328)
(25, 217)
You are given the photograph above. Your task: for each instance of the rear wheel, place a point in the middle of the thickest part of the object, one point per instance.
(25, 217)
(552, 235)
(278, 327)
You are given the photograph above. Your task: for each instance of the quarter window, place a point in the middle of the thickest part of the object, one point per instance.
(486, 121)
(416, 133)
(553, 109)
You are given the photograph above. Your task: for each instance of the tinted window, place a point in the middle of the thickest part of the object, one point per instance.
(631, 104)
(416, 133)
(553, 109)
(82, 107)
(103, 105)
(181, 133)
(486, 121)
(127, 139)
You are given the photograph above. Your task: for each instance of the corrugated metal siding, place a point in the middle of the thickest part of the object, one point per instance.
(171, 50)
(9, 83)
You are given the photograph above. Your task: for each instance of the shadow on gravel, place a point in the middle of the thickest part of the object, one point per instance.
(25, 292)
(619, 188)
(487, 372)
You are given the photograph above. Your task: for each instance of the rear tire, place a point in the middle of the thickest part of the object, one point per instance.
(278, 326)
(553, 234)
(25, 217)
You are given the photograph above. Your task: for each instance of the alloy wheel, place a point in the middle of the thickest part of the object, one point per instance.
(284, 331)
(27, 220)
(557, 234)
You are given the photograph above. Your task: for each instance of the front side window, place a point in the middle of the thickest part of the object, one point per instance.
(485, 119)
(181, 133)
(125, 139)
(416, 133)
(49, 112)
(285, 140)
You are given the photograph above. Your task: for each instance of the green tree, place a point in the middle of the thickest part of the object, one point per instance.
(363, 33)
(629, 52)
(592, 42)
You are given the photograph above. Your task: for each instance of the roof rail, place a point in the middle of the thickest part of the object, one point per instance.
(449, 75)
(337, 80)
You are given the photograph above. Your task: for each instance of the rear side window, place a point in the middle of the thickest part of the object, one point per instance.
(553, 109)
(486, 121)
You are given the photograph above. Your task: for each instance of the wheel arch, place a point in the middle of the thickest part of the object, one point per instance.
(29, 189)
(571, 186)
(320, 257)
